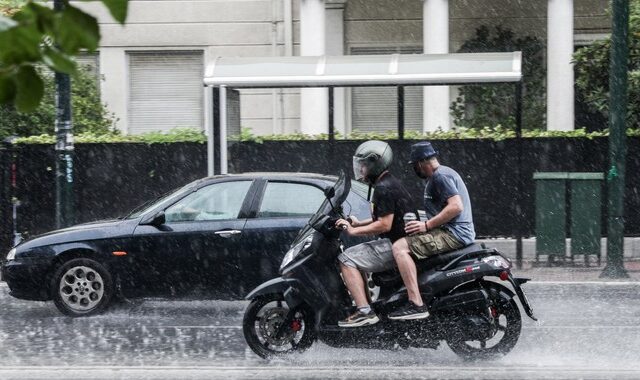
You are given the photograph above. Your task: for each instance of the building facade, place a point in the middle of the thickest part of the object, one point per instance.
(151, 69)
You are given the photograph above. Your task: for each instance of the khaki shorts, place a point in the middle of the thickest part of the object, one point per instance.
(434, 242)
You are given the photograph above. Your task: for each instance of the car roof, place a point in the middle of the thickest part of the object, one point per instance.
(275, 175)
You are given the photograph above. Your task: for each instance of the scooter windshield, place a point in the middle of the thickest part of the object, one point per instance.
(342, 188)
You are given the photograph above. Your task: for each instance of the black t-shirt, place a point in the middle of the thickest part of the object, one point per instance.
(390, 197)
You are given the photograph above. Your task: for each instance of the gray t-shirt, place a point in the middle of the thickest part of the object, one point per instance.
(444, 184)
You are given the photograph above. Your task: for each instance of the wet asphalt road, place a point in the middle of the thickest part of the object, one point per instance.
(585, 330)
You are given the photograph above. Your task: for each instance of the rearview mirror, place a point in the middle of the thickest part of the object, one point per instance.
(157, 220)
(329, 192)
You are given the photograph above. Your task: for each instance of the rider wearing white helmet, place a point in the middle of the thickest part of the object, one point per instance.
(389, 203)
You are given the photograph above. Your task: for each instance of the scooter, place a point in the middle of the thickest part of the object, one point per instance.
(471, 308)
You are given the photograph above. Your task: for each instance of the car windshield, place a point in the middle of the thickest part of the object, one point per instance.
(166, 198)
(360, 188)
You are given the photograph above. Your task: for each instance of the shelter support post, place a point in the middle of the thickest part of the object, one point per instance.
(332, 127)
(400, 112)
(223, 130)
(208, 120)
(519, 188)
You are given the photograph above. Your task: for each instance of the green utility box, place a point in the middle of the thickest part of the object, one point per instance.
(586, 214)
(551, 215)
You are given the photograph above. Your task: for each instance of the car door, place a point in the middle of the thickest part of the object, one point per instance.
(194, 250)
(282, 210)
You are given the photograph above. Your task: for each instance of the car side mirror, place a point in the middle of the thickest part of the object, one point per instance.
(157, 220)
(329, 192)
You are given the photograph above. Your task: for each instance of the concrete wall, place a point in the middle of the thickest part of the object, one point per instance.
(392, 23)
(256, 28)
(218, 28)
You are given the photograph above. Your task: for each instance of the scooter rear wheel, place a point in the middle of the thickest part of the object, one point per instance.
(262, 320)
(508, 323)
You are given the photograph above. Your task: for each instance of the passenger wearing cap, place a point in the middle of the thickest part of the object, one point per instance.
(449, 225)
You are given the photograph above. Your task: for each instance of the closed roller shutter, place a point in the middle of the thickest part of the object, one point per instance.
(165, 91)
(374, 109)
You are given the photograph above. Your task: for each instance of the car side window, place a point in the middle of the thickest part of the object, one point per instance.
(282, 199)
(213, 202)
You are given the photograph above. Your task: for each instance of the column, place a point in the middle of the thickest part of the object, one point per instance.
(314, 112)
(335, 46)
(560, 96)
(435, 29)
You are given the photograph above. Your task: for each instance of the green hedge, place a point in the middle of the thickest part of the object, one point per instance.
(195, 135)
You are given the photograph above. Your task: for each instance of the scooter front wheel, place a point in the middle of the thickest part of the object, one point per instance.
(271, 328)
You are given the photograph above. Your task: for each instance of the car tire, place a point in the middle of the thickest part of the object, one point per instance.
(81, 287)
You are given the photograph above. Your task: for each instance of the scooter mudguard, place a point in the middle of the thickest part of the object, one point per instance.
(276, 285)
(515, 282)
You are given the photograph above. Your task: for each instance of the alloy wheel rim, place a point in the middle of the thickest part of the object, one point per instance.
(268, 320)
(81, 288)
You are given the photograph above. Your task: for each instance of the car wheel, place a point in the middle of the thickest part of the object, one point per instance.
(372, 288)
(81, 287)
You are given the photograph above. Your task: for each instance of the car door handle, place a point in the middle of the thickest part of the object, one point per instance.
(228, 233)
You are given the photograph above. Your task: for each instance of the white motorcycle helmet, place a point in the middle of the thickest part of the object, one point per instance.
(371, 159)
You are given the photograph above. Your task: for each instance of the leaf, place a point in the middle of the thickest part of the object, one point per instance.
(58, 61)
(30, 89)
(43, 16)
(118, 9)
(7, 88)
(20, 44)
(77, 30)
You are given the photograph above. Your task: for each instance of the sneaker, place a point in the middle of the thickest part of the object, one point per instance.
(359, 318)
(410, 311)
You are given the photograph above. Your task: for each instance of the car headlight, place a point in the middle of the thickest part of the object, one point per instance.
(296, 250)
(11, 255)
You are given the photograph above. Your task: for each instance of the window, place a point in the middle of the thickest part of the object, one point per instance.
(214, 202)
(375, 109)
(283, 199)
(165, 90)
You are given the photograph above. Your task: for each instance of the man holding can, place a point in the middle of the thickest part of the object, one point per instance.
(449, 225)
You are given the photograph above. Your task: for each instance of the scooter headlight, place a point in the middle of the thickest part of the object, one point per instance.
(296, 250)
(497, 262)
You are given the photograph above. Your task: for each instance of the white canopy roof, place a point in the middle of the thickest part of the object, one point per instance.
(364, 70)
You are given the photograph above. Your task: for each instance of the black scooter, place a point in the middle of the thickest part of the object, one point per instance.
(476, 317)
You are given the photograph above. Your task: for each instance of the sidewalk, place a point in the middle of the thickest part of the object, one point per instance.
(576, 272)
(508, 247)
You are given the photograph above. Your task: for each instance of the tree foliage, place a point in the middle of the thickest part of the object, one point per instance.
(479, 106)
(33, 34)
(89, 114)
(592, 70)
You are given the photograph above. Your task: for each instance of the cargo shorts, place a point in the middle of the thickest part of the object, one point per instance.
(434, 242)
(373, 256)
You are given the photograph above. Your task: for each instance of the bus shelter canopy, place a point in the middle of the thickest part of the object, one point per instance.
(364, 70)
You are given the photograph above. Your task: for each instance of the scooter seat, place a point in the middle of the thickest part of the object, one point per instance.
(392, 276)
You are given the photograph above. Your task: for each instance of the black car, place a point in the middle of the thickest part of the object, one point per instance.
(217, 237)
